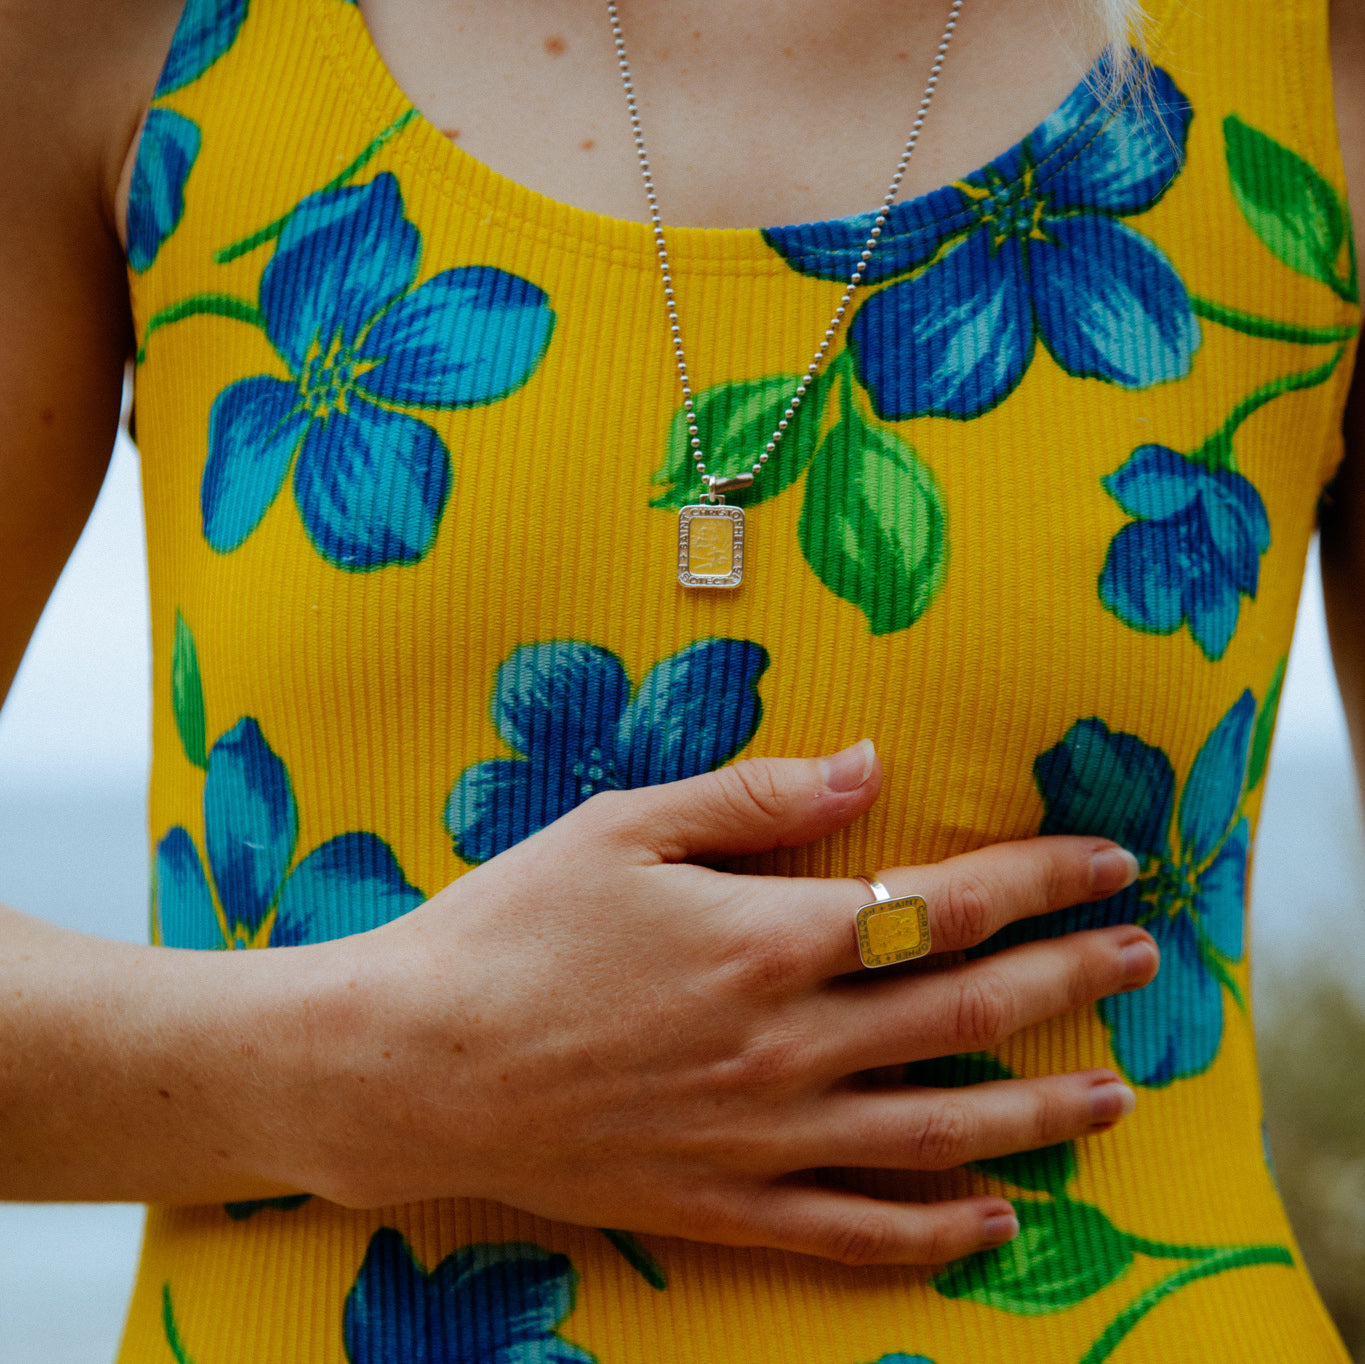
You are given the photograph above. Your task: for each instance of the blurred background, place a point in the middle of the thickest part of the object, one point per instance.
(73, 774)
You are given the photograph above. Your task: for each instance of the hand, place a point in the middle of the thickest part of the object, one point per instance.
(595, 1028)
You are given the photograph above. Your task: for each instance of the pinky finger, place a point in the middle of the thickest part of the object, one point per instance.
(857, 1230)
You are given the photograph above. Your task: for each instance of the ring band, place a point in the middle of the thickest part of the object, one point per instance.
(893, 928)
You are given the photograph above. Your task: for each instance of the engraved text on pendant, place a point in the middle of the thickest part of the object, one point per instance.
(710, 545)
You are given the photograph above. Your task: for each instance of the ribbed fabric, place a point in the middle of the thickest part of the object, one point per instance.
(1039, 531)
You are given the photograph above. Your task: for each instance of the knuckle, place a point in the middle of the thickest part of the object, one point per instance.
(754, 783)
(862, 1239)
(1052, 1118)
(985, 1010)
(943, 1139)
(608, 813)
(776, 1064)
(968, 910)
(704, 1216)
(770, 964)
(1091, 973)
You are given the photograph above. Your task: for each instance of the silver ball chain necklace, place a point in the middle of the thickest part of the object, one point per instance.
(711, 534)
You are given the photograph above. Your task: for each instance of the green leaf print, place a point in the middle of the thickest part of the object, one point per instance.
(187, 694)
(1049, 1169)
(1265, 727)
(1289, 206)
(1064, 1253)
(734, 423)
(873, 526)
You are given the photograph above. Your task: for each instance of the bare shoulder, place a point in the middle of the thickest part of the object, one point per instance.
(75, 78)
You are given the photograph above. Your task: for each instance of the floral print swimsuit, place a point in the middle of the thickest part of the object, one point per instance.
(1039, 530)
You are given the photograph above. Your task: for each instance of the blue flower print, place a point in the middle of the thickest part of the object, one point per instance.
(359, 342)
(1193, 552)
(347, 885)
(567, 707)
(1189, 897)
(1031, 247)
(485, 1304)
(206, 30)
(169, 144)
(156, 195)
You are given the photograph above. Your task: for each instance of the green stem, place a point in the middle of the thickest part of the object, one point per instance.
(1216, 452)
(639, 1259)
(1267, 327)
(172, 1330)
(1235, 1257)
(272, 230)
(1167, 1250)
(198, 305)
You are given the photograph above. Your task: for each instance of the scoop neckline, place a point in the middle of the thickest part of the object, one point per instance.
(457, 171)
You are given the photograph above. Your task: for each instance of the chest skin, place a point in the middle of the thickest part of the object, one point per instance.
(755, 114)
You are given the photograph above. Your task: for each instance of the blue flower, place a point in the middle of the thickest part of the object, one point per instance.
(347, 885)
(169, 144)
(567, 707)
(206, 30)
(485, 1304)
(359, 342)
(156, 195)
(1193, 552)
(1189, 897)
(1032, 246)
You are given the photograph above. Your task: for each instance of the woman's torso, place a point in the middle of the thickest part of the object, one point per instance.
(1039, 532)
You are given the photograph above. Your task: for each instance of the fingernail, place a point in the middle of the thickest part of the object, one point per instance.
(848, 769)
(999, 1228)
(1140, 961)
(1111, 1101)
(1111, 869)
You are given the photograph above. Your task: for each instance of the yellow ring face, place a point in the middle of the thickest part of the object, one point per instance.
(893, 930)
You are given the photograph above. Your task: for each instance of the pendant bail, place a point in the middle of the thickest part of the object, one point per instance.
(717, 487)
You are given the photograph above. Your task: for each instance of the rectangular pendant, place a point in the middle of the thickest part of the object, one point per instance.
(710, 545)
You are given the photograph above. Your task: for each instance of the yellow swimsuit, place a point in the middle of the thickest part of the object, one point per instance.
(412, 458)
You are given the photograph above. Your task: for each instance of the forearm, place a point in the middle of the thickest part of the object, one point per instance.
(147, 1073)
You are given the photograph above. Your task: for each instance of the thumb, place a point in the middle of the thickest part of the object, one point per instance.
(752, 806)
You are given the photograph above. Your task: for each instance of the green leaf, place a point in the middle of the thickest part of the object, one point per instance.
(1049, 1169)
(873, 526)
(1064, 1253)
(1265, 727)
(1289, 206)
(187, 694)
(735, 422)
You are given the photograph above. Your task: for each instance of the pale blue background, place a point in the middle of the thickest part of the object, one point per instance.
(73, 765)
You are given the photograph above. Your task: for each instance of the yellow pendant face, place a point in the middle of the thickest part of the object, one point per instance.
(893, 930)
(710, 546)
